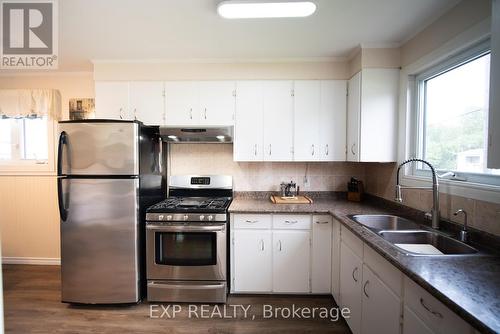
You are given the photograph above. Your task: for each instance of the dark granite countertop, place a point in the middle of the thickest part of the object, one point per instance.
(468, 285)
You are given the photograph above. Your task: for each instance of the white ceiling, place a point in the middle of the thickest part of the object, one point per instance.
(191, 29)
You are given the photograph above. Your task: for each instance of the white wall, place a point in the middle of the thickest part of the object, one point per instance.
(29, 218)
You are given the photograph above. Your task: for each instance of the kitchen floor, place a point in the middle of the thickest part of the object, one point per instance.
(32, 305)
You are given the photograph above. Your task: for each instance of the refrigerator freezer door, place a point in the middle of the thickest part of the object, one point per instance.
(99, 241)
(98, 148)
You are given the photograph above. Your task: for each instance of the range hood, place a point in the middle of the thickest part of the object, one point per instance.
(197, 134)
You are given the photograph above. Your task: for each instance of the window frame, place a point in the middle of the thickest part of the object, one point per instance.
(31, 167)
(417, 144)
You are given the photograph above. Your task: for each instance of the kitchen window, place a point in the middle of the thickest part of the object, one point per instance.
(451, 117)
(24, 139)
(26, 129)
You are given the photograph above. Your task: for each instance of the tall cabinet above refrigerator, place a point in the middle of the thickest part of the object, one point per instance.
(109, 172)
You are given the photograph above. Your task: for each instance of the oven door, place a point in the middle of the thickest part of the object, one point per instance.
(186, 252)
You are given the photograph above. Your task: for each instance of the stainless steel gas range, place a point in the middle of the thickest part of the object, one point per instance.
(187, 241)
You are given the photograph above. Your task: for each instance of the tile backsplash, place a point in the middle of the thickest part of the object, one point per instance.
(484, 216)
(261, 176)
(379, 180)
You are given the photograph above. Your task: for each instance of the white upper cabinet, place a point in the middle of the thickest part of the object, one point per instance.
(302, 120)
(199, 103)
(332, 120)
(249, 120)
(372, 115)
(307, 97)
(217, 102)
(112, 100)
(181, 103)
(278, 120)
(147, 102)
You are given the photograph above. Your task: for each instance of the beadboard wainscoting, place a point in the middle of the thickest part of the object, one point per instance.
(29, 219)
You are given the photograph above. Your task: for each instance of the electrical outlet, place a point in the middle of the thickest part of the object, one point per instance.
(306, 182)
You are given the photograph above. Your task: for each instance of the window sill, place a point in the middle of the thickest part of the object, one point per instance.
(26, 168)
(477, 191)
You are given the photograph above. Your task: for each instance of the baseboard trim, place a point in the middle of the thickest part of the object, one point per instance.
(51, 261)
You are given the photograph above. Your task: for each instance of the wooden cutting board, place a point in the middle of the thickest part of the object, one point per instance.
(291, 200)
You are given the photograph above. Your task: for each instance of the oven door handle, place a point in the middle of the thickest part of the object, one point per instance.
(187, 286)
(186, 228)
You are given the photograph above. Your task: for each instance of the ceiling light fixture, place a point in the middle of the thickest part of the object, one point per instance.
(245, 9)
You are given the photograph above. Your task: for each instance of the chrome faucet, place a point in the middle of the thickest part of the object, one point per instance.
(434, 214)
(464, 233)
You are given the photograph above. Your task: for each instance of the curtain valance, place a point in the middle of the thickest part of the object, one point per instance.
(16, 103)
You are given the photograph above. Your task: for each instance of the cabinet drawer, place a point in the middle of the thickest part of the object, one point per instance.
(252, 221)
(354, 243)
(389, 274)
(433, 313)
(292, 222)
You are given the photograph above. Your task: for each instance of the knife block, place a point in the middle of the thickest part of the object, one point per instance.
(357, 195)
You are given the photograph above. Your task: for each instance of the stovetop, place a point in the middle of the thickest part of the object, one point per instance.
(191, 205)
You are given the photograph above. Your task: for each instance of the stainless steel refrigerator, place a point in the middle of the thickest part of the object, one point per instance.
(109, 172)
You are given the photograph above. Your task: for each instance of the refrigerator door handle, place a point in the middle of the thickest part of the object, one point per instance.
(62, 141)
(63, 212)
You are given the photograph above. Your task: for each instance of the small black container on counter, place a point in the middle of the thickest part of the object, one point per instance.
(355, 190)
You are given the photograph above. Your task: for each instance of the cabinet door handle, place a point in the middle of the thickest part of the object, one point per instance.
(255, 149)
(435, 313)
(251, 221)
(190, 113)
(205, 113)
(321, 223)
(262, 245)
(326, 149)
(353, 271)
(289, 222)
(135, 114)
(364, 289)
(312, 149)
(270, 151)
(121, 113)
(279, 245)
(352, 149)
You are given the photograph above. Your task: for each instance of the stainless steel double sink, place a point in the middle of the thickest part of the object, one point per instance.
(410, 238)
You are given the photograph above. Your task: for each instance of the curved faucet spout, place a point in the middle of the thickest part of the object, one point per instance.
(435, 190)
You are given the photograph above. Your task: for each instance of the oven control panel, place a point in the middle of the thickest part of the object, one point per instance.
(188, 217)
(200, 180)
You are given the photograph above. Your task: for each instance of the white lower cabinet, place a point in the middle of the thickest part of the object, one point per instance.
(434, 314)
(413, 324)
(301, 253)
(351, 266)
(335, 257)
(321, 254)
(291, 261)
(381, 308)
(253, 270)
(277, 253)
(376, 293)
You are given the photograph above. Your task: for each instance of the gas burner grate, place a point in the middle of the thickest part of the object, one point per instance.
(183, 204)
